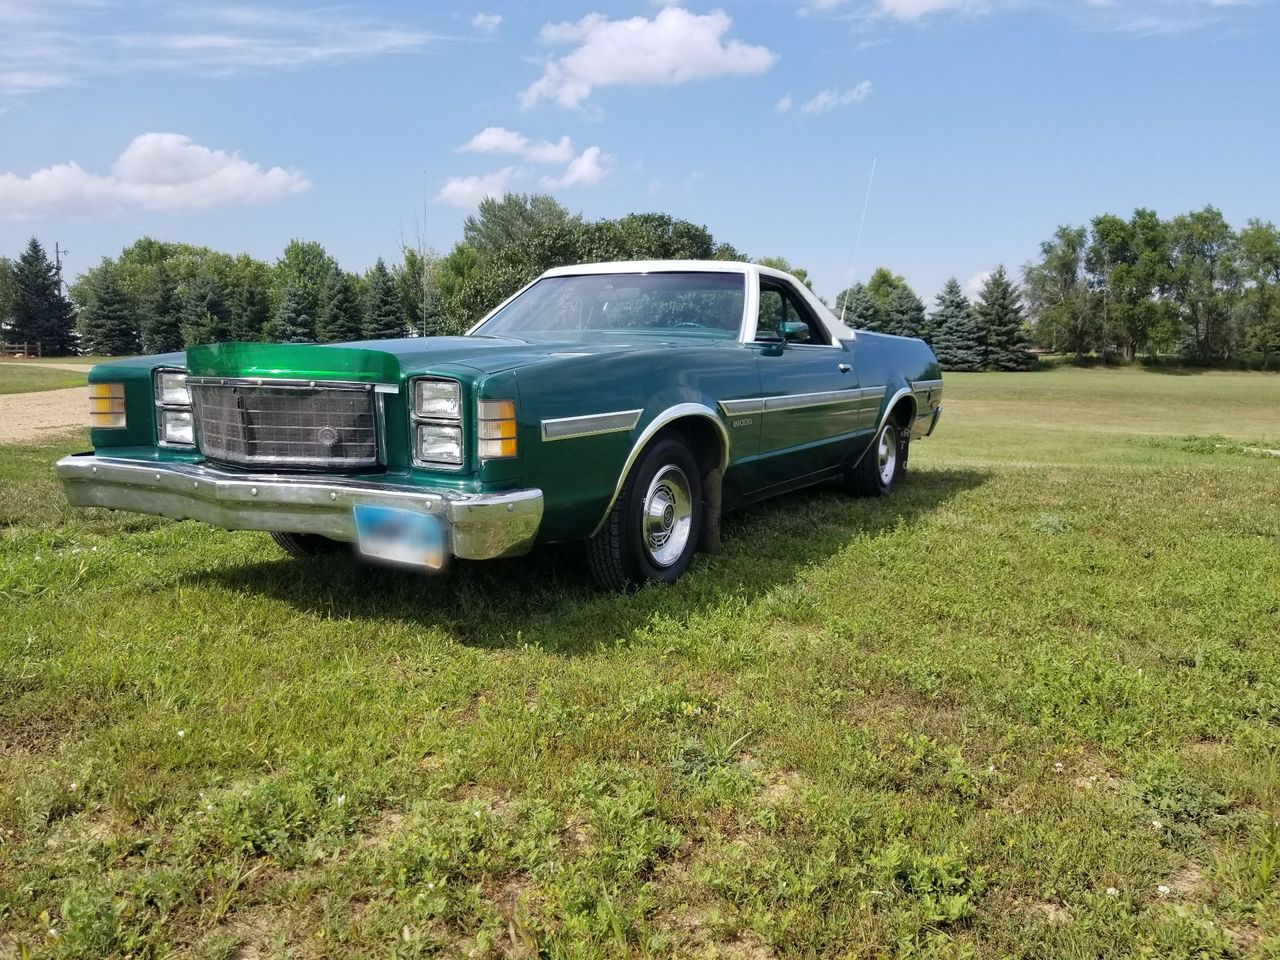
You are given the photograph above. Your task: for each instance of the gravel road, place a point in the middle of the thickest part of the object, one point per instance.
(28, 416)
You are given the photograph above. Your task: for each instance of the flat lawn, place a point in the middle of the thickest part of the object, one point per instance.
(19, 379)
(1028, 707)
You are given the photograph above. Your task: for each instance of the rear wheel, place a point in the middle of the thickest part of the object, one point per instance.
(881, 467)
(652, 531)
(303, 545)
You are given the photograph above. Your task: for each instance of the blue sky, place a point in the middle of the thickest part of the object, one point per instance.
(990, 121)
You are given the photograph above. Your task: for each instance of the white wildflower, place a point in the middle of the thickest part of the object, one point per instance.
(342, 799)
(1112, 892)
(1163, 890)
(72, 787)
(1058, 767)
(181, 734)
(1157, 824)
(53, 932)
(991, 768)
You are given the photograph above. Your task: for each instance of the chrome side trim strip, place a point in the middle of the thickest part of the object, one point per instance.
(668, 415)
(926, 385)
(750, 405)
(591, 425)
(825, 398)
(739, 408)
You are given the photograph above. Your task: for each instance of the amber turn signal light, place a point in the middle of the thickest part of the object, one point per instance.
(106, 406)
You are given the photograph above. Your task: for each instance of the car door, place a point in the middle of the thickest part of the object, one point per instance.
(810, 389)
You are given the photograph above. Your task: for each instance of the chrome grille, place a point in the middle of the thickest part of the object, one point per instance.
(286, 424)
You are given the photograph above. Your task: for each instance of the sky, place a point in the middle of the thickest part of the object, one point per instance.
(361, 125)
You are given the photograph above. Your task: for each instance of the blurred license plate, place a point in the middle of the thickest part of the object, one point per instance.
(400, 536)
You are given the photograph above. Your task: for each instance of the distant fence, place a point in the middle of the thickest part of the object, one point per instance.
(20, 350)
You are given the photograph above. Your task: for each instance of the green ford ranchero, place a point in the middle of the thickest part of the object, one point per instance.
(620, 404)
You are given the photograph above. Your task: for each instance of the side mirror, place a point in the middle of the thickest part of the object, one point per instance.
(795, 332)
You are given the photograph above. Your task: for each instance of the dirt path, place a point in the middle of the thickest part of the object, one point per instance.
(75, 367)
(27, 416)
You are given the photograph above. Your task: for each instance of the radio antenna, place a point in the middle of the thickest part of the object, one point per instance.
(857, 244)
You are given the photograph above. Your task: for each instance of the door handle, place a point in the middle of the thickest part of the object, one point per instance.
(844, 368)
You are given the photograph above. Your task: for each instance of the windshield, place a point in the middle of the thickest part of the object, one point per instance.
(705, 304)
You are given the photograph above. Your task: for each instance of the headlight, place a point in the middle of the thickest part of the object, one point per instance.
(176, 427)
(106, 406)
(438, 399)
(438, 443)
(171, 389)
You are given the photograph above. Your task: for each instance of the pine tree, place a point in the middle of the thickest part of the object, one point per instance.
(41, 313)
(107, 326)
(291, 324)
(341, 318)
(862, 312)
(904, 314)
(161, 314)
(957, 341)
(250, 310)
(1001, 319)
(383, 315)
(205, 314)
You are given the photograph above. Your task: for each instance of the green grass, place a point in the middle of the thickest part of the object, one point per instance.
(85, 360)
(1028, 707)
(19, 379)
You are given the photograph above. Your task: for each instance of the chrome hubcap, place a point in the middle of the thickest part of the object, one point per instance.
(887, 454)
(668, 516)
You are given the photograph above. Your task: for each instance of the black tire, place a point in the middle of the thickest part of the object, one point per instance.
(874, 475)
(630, 550)
(304, 545)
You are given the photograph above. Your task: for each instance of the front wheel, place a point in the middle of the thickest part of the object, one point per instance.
(881, 467)
(653, 529)
(304, 545)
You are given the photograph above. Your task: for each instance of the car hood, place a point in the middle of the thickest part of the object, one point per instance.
(373, 361)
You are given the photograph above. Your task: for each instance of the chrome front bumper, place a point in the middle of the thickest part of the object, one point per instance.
(480, 526)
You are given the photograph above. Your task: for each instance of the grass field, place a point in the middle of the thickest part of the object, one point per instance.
(19, 379)
(1028, 707)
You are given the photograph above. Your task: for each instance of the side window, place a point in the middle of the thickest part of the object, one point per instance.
(779, 304)
(773, 308)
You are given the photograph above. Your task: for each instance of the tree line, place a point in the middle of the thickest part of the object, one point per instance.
(989, 334)
(1189, 287)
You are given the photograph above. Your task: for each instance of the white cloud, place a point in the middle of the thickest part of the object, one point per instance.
(589, 167)
(54, 45)
(783, 105)
(973, 286)
(676, 46)
(157, 171)
(502, 140)
(1130, 16)
(487, 22)
(829, 99)
(467, 192)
